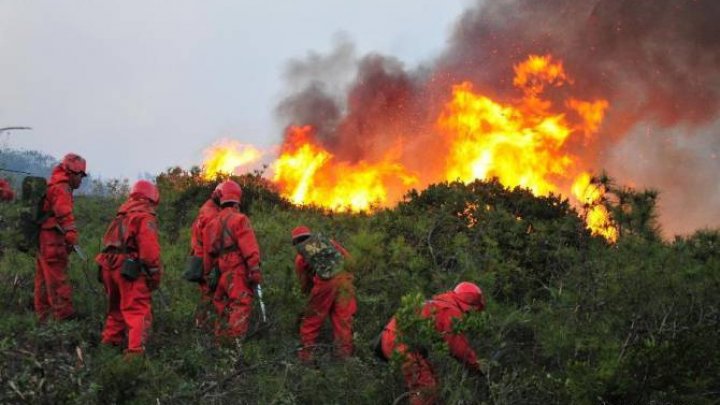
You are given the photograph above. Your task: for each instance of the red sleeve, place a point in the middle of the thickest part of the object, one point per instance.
(340, 248)
(246, 241)
(303, 273)
(208, 235)
(61, 204)
(7, 195)
(457, 343)
(6, 192)
(148, 244)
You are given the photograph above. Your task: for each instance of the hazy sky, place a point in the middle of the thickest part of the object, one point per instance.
(139, 86)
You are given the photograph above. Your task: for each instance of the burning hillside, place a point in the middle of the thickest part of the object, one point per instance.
(522, 141)
(536, 93)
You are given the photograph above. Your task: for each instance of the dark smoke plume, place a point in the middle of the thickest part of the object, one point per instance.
(657, 62)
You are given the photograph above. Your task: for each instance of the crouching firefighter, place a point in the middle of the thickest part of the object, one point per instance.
(320, 267)
(444, 309)
(195, 273)
(58, 235)
(232, 264)
(130, 268)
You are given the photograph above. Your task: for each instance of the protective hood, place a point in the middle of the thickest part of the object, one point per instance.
(59, 175)
(136, 205)
(468, 301)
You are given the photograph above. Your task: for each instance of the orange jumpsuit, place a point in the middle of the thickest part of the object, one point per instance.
(133, 235)
(207, 212)
(417, 370)
(6, 191)
(334, 298)
(230, 244)
(53, 292)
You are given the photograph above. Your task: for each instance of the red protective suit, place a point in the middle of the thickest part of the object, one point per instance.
(230, 245)
(53, 293)
(133, 234)
(209, 210)
(417, 370)
(334, 298)
(6, 191)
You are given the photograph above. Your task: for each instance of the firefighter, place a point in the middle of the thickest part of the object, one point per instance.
(319, 265)
(6, 191)
(130, 268)
(58, 235)
(207, 212)
(232, 264)
(444, 309)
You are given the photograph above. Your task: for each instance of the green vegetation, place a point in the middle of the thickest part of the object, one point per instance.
(570, 319)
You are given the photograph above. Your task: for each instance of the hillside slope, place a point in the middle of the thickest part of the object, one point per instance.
(570, 318)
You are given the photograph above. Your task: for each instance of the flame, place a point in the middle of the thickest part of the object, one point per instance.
(532, 74)
(309, 174)
(523, 142)
(590, 193)
(493, 140)
(227, 156)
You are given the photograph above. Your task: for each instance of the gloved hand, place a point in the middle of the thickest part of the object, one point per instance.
(255, 276)
(153, 279)
(71, 238)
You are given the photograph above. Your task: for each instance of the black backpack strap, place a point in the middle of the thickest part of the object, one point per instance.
(123, 249)
(225, 231)
(40, 214)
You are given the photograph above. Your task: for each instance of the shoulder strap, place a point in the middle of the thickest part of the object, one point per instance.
(120, 223)
(41, 215)
(123, 245)
(225, 231)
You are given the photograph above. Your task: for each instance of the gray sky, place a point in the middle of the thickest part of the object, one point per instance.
(139, 86)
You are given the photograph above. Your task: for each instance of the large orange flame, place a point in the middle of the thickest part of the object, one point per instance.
(228, 157)
(523, 142)
(309, 174)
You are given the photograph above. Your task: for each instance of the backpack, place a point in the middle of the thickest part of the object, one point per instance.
(32, 213)
(321, 255)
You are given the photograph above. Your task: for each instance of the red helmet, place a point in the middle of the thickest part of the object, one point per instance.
(216, 193)
(471, 295)
(73, 163)
(145, 189)
(230, 192)
(299, 232)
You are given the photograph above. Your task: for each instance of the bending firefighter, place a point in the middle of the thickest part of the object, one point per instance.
(443, 309)
(130, 268)
(209, 210)
(232, 264)
(58, 235)
(319, 265)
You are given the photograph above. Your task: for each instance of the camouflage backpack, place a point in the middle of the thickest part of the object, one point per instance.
(32, 214)
(321, 255)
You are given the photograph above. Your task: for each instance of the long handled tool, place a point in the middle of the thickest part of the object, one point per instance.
(85, 268)
(259, 293)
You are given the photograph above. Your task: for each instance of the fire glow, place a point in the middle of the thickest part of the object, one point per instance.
(523, 142)
(228, 157)
(308, 174)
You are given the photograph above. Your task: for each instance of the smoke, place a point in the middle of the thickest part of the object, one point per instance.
(656, 62)
(684, 168)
